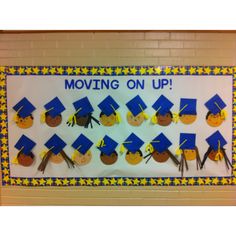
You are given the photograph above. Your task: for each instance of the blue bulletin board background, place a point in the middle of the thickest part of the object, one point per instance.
(7, 179)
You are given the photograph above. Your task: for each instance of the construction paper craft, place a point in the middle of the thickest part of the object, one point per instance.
(109, 115)
(158, 149)
(82, 154)
(132, 144)
(216, 114)
(83, 114)
(23, 117)
(25, 156)
(188, 111)
(163, 114)
(188, 151)
(136, 114)
(107, 147)
(216, 151)
(52, 114)
(55, 153)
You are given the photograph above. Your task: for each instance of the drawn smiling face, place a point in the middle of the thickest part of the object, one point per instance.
(135, 120)
(187, 119)
(134, 158)
(53, 121)
(164, 120)
(83, 159)
(190, 154)
(160, 157)
(25, 123)
(25, 160)
(214, 120)
(108, 120)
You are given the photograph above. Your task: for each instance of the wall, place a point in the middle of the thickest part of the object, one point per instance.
(118, 48)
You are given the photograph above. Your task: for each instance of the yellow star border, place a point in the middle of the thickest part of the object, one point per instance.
(109, 71)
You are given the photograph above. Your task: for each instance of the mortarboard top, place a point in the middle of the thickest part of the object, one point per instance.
(54, 107)
(133, 143)
(108, 105)
(25, 145)
(108, 145)
(215, 140)
(188, 106)
(82, 144)
(162, 105)
(161, 143)
(84, 105)
(55, 144)
(136, 105)
(215, 104)
(24, 107)
(187, 141)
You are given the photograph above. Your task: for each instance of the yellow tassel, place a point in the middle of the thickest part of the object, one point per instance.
(43, 117)
(122, 148)
(15, 117)
(146, 116)
(223, 114)
(178, 151)
(219, 156)
(101, 143)
(72, 119)
(175, 117)
(118, 117)
(43, 154)
(149, 148)
(154, 119)
(75, 153)
(15, 160)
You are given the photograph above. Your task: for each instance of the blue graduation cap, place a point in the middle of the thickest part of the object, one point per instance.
(108, 105)
(83, 107)
(215, 104)
(187, 141)
(24, 107)
(25, 145)
(133, 143)
(216, 140)
(136, 105)
(188, 106)
(107, 145)
(54, 107)
(162, 105)
(82, 144)
(161, 143)
(55, 144)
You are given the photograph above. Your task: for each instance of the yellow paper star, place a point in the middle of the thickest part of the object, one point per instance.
(152, 181)
(97, 181)
(77, 71)
(28, 71)
(126, 70)
(12, 70)
(167, 70)
(36, 70)
(128, 181)
(118, 70)
(120, 181)
(2, 92)
(215, 181)
(12, 181)
(101, 71)
(200, 181)
(18, 181)
(4, 155)
(207, 70)
(234, 181)
(25, 181)
(45, 70)
(105, 181)
(5, 164)
(191, 181)
(65, 181)
(175, 70)
(109, 71)
(21, 70)
(49, 182)
(183, 70)
(3, 116)
(42, 181)
(234, 165)
(2, 76)
(184, 181)
(82, 181)
(113, 181)
(4, 131)
(224, 181)
(167, 181)
(60, 71)
(208, 181)
(94, 71)
(216, 70)
(4, 140)
(6, 178)
(158, 70)
(176, 181)
(34, 182)
(58, 182)
(3, 107)
(52, 71)
(2, 68)
(192, 70)
(133, 70)
(73, 181)
(3, 124)
(142, 70)
(136, 181)
(150, 70)
(89, 181)
(5, 171)
(160, 181)
(224, 70)
(85, 70)
(69, 70)
(143, 181)
(2, 83)
(2, 100)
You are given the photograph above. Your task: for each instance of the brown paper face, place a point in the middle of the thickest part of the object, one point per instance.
(53, 122)
(160, 157)
(214, 120)
(187, 119)
(108, 120)
(164, 120)
(25, 123)
(56, 159)
(135, 120)
(190, 154)
(81, 159)
(134, 158)
(25, 160)
(82, 120)
(109, 160)
(212, 155)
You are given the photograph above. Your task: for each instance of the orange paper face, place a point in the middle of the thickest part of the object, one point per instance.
(108, 120)
(135, 120)
(214, 120)
(164, 120)
(81, 159)
(25, 123)
(53, 122)
(134, 158)
(190, 154)
(56, 159)
(187, 119)
(160, 157)
(109, 160)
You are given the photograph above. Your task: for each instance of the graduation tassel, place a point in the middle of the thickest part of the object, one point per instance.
(118, 117)
(144, 114)
(72, 118)
(149, 148)
(15, 159)
(223, 113)
(179, 151)
(176, 115)
(122, 148)
(16, 117)
(154, 119)
(43, 115)
(75, 153)
(219, 154)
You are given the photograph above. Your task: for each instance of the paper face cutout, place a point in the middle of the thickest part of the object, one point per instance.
(108, 120)
(109, 159)
(25, 160)
(214, 120)
(190, 154)
(135, 120)
(164, 120)
(187, 119)
(56, 159)
(160, 157)
(53, 121)
(134, 158)
(24, 123)
(82, 159)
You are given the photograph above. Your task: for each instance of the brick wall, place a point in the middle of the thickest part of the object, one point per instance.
(118, 48)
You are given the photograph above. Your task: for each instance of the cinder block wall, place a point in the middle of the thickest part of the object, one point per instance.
(118, 48)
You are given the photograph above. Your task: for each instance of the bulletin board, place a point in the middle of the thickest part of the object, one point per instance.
(148, 144)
